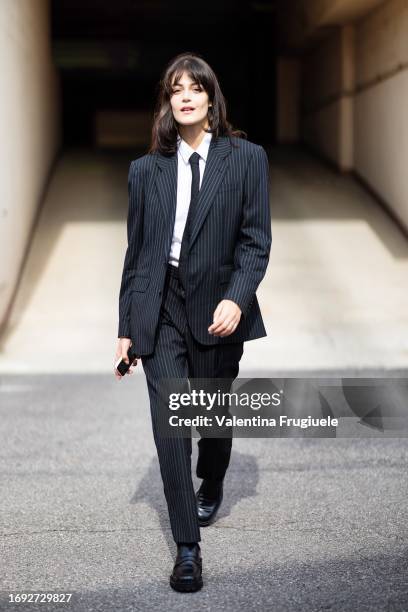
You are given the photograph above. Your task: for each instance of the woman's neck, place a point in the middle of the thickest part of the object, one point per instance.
(192, 134)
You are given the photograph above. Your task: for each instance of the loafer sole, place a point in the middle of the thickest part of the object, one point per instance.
(188, 586)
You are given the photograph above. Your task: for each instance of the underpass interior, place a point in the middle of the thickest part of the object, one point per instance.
(333, 298)
(307, 522)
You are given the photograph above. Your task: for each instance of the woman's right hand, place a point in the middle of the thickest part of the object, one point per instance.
(122, 353)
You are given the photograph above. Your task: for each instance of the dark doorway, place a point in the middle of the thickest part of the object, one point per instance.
(111, 55)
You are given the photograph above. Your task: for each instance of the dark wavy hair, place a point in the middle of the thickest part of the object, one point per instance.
(164, 129)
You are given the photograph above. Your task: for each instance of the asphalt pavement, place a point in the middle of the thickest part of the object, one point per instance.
(306, 524)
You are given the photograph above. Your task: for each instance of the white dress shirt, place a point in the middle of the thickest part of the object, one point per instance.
(184, 178)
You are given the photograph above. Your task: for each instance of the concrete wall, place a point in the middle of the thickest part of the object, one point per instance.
(381, 102)
(300, 21)
(288, 83)
(29, 128)
(328, 12)
(327, 97)
(354, 97)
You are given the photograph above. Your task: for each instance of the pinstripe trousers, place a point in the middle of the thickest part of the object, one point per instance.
(177, 354)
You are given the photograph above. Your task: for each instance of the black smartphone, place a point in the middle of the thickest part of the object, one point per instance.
(121, 365)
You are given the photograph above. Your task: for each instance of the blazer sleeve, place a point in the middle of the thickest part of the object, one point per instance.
(252, 252)
(134, 239)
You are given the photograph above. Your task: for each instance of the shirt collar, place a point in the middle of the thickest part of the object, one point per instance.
(185, 150)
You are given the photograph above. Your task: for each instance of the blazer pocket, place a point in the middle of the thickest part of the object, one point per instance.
(140, 282)
(225, 273)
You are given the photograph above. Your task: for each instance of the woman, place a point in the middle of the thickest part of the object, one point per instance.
(199, 238)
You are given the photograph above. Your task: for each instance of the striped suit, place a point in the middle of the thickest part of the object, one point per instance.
(229, 247)
(227, 259)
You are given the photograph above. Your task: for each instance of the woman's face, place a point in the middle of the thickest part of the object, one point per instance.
(192, 97)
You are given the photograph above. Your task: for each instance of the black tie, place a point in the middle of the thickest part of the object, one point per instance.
(195, 188)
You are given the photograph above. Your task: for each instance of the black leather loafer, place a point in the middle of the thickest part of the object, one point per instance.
(186, 575)
(209, 498)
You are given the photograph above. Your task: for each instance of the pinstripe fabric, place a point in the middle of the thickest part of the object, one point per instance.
(229, 249)
(178, 355)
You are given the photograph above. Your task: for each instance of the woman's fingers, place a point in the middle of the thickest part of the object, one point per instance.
(224, 328)
(226, 318)
(122, 355)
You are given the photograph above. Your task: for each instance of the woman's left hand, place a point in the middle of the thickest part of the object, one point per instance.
(226, 318)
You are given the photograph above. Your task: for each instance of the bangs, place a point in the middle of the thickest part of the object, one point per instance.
(194, 71)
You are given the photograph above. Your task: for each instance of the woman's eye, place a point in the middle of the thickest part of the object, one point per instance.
(196, 89)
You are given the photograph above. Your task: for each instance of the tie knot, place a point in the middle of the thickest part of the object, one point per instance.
(193, 159)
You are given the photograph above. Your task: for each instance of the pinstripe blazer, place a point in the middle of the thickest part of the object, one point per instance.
(229, 248)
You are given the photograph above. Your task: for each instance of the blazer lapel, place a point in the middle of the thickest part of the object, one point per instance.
(166, 183)
(215, 168)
